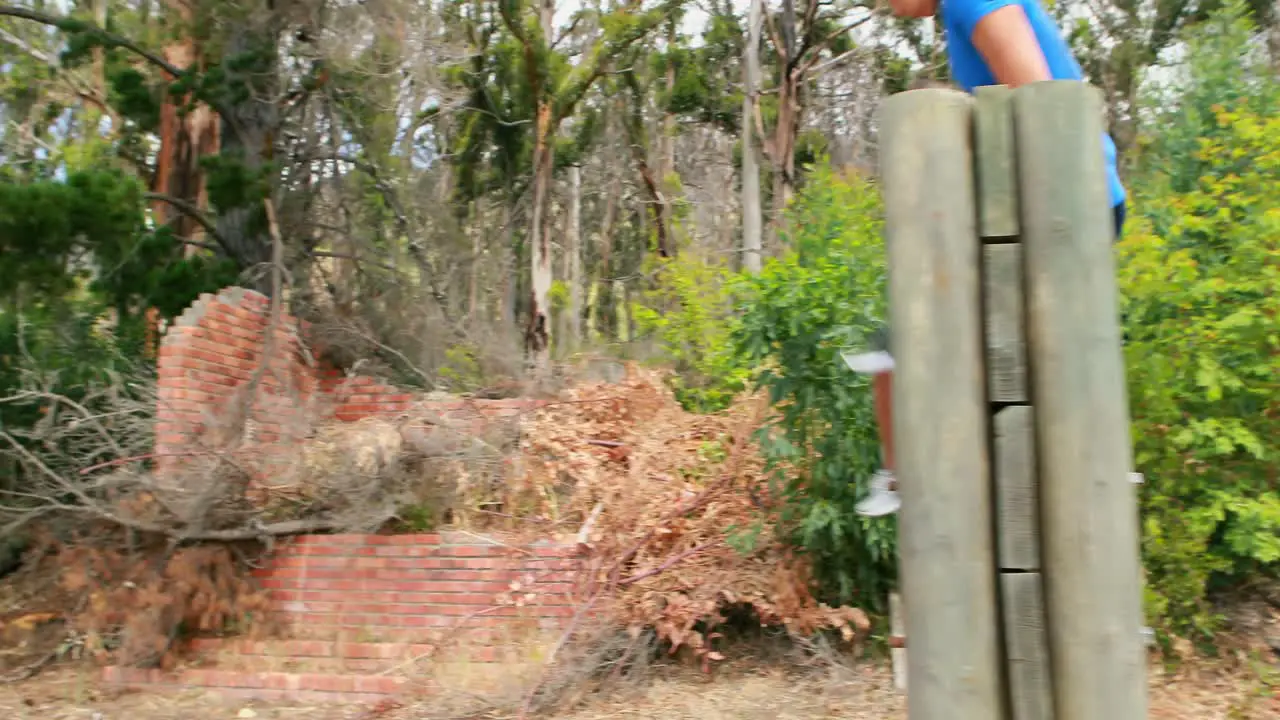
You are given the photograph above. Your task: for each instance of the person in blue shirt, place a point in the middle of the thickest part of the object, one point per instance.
(989, 42)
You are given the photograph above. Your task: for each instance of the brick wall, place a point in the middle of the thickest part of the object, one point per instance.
(349, 605)
(368, 617)
(207, 364)
(418, 588)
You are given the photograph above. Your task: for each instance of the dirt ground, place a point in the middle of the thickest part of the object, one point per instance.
(738, 693)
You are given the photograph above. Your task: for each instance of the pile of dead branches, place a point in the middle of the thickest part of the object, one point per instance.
(671, 508)
(91, 460)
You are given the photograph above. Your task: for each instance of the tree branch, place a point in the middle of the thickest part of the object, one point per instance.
(72, 25)
(821, 44)
(201, 219)
(109, 39)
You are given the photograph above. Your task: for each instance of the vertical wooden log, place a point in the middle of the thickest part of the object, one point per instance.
(1017, 506)
(1006, 344)
(897, 656)
(939, 407)
(1017, 509)
(1026, 643)
(1089, 530)
(996, 168)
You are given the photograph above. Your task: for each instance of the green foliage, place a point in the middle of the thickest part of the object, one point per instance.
(706, 88)
(690, 315)
(462, 370)
(36, 237)
(558, 295)
(1201, 294)
(823, 296)
(59, 348)
(57, 236)
(134, 97)
(1204, 369)
(1219, 70)
(419, 518)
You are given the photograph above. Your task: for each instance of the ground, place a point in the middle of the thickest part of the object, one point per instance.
(743, 692)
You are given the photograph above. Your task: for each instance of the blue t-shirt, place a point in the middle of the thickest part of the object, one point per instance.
(969, 70)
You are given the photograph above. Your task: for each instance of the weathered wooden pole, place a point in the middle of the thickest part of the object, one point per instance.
(939, 407)
(1017, 508)
(1089, 519)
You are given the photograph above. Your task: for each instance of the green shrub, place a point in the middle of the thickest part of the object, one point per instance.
(690, 314)
(1200, 289)
(1203, 356)
(824, 295)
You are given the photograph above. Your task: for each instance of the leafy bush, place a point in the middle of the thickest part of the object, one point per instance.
(824, 295)
(78, 267)
(690, 313)
(1204, 370)
(1201, 293)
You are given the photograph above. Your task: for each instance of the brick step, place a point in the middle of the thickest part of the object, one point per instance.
(406, 571)
(403, 591)
(265, 685)
(317, 656)
(438, 614)
(359, 650)
(465, 635)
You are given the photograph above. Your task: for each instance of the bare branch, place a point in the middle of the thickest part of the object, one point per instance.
(107, 38)
(193, 212)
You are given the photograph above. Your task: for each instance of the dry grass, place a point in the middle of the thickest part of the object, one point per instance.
(744, 690)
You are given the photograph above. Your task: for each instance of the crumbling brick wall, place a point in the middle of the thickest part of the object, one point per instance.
(220, 383)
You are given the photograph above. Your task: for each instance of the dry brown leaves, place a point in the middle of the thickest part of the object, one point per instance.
(678, 496)
(133, 607)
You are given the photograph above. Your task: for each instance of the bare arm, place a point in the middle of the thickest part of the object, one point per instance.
(1009, 45)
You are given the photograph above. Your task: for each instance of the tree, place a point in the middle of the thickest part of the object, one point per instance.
(752, 239)
(556, 89)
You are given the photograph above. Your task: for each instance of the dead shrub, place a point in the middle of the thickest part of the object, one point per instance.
(137, 608)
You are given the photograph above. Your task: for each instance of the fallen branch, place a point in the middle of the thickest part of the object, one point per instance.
(551, 657)
(670, 563)
(87, 505)
(702, 498)
(27, 671)
(144, 456)
(584, 533)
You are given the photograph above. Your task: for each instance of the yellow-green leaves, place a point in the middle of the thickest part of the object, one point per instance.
(1200, 280)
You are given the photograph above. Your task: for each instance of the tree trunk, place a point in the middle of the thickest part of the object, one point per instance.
(93, 114)
(186, 136)
(248, 137)
(751, 228)
(791, 73)
(511, 276)
(784, 147)
(667, 148)
(538, 330)
(637, 139)
(1273, 40)
(573, 249)
(537, 335)
(477, 227)
(604, 272)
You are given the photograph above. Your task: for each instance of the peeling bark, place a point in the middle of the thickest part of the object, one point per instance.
(185, 138)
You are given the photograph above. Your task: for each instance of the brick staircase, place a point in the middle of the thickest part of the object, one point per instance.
(367, 617)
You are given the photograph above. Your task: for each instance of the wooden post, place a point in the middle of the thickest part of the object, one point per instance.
(1016, 492)
(897, 655)
(939, 407)
(1089, 528)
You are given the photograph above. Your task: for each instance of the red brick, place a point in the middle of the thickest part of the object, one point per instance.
(414, 539)
(380, 684)
(339, 539)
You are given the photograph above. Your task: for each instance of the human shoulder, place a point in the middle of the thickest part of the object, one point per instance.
(963, 15)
